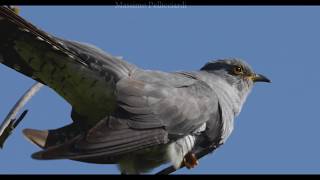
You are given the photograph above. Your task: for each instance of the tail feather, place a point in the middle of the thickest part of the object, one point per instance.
(37, 137)
(50, 138)
(10, 31)
(83, 75)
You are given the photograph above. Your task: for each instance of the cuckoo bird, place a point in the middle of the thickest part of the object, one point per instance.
(122, 114)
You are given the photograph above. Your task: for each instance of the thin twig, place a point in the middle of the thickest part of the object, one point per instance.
(11, 121)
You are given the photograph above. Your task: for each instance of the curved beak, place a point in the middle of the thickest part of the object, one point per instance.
(260, 78)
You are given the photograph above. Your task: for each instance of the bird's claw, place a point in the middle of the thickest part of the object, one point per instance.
(190, 160)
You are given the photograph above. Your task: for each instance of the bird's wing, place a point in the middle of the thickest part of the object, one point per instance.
(147, 115)
(179, 109)
(104, 143)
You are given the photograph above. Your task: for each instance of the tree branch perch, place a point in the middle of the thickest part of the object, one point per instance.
(11, 122)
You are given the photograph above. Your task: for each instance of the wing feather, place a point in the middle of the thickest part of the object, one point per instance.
(104, 141)
(180, 110)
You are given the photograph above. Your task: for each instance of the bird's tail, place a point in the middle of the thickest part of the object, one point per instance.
(82, 74)
(10, 28)
(23, 46)
(19, 39)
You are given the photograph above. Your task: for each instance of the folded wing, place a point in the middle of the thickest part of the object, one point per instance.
(147, 115)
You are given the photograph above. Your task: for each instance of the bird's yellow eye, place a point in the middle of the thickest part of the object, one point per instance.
(238, 70)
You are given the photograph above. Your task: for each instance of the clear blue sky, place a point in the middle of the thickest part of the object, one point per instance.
(278, 128)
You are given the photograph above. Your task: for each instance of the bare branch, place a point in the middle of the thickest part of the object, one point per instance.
(11, 121)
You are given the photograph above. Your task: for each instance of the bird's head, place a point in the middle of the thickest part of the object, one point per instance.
(236, 72)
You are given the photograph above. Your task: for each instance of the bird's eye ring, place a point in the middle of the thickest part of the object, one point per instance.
(238, 70)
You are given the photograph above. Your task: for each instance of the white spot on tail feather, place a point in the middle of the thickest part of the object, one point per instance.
(71, 56)
(40, 38)
(60, 43)
(55, 47)
(23, 29)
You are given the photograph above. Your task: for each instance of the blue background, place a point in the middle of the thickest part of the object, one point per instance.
(278, 128)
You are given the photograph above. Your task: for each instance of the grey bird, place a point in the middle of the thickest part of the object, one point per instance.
(122, 114)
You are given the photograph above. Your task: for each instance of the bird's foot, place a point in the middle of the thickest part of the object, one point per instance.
(190, 160)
